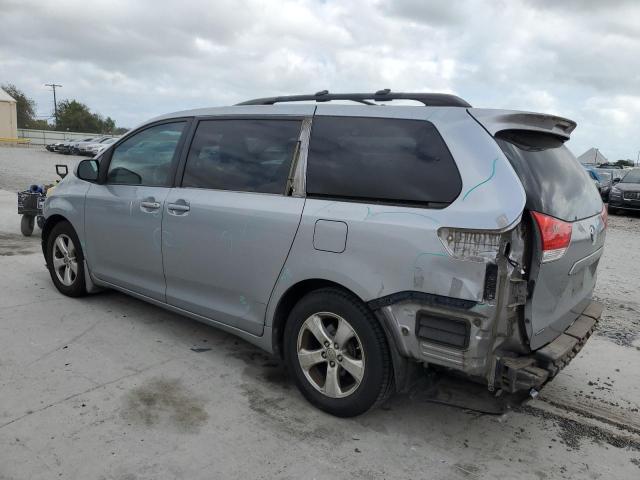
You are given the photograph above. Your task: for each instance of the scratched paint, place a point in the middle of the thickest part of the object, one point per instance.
(245, 305)
(418, 272)
(376, 214)
(227, 241)
(285, 276)
(328, 208)
(429, 254)
(493, 172)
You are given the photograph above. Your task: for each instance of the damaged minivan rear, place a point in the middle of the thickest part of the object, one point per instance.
(355, 241)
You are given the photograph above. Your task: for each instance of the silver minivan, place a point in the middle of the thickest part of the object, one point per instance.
(355, 241)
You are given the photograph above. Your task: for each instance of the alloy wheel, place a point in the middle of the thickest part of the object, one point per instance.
(331, 354)
(65, 262)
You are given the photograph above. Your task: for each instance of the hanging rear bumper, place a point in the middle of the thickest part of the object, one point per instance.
(514, 374)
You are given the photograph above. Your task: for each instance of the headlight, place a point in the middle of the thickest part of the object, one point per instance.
(615, 190)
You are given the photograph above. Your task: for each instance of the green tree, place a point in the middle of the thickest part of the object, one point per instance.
(109, 125)
(76, 117)
(25, 106)
(625, 163)
(40, 125)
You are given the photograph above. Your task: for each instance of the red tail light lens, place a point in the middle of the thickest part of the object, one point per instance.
(604, 215)
(555, 234)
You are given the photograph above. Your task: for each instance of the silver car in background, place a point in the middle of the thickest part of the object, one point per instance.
(97, 148)
(353, 241)
(87, 148)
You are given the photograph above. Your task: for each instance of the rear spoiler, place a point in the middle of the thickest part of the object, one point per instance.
(495, 121)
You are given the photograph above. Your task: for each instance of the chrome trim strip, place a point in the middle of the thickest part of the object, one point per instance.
(588, 260)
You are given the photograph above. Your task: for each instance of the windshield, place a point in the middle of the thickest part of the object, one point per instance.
(632, 177)
(554, 181)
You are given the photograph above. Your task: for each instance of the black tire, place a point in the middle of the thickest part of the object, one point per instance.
(27, 225)
(77, 288)
(40, 221)
(377, 380)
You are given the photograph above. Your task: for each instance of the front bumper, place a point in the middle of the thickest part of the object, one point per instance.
(622, 200)
(624, 204)
(533, 371)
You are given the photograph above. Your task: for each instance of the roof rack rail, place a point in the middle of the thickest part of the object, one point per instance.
(386, 95)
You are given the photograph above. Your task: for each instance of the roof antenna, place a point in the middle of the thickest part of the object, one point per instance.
(322, 92)
(386, 91)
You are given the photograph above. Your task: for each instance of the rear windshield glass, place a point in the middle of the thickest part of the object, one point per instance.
(555, 182)
(381, 159)
(632, 177)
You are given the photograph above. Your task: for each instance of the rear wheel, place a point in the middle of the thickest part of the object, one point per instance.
(65, 260)
(338, 353)
(27, 225)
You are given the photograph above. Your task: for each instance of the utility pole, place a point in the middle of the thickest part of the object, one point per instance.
(55, 104)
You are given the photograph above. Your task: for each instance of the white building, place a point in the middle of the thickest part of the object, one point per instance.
(592, 157)
(8, 116)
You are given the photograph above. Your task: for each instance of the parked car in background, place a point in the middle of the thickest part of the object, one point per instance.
(606, 180)
(625, 193)
(355, 241)
(595, 178)
(75, 146)
(97, 148)
(616, 173)
(65, 147)
(86, 148)
(56, 146)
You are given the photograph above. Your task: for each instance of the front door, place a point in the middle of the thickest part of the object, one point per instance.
(123, 215)
(228, 229)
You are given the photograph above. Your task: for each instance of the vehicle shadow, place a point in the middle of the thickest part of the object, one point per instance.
(265, 377)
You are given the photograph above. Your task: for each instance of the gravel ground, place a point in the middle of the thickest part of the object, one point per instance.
(21, 167)
(110, 387)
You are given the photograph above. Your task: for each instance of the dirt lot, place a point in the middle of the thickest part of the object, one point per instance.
(109, 387)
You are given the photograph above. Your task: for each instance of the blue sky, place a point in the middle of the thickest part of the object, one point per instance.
(135, 60)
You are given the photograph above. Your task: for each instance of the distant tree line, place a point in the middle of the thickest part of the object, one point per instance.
(625, 163)
(73, 116)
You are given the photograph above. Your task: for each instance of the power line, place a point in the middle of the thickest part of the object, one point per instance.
(55, 104)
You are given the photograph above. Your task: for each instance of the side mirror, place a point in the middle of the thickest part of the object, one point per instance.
(88, 170)
(62, 170)
(616, 180)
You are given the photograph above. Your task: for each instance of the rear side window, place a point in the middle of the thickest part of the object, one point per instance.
(554, 181)
(242, 155)
(381, 159)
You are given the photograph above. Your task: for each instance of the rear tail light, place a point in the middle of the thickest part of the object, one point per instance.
(555, 235)
(604, 215)
(474, 245)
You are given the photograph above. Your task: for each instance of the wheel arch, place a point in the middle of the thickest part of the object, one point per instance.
(50, 222)
(295, 292)
(288, 300)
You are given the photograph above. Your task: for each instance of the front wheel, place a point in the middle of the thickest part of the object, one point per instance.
(338, 353)
(65, 260)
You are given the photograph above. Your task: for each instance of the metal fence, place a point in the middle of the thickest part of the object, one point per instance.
(45, 137)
